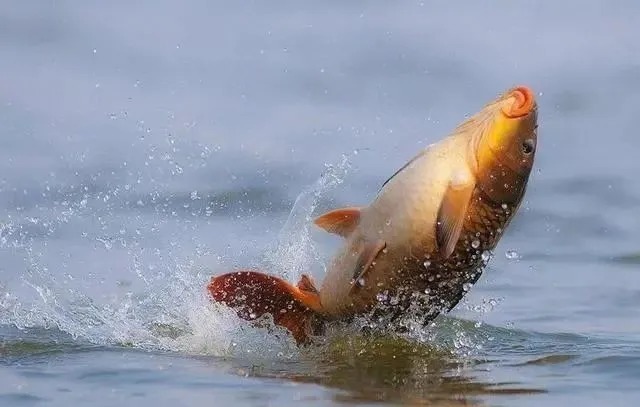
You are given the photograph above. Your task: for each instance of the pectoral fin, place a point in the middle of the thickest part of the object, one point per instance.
(453, 211)
(366, 257)
(339, 221)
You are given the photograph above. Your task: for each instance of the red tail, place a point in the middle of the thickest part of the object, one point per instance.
(254, 294)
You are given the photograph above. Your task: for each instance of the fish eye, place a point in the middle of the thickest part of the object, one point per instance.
(527, 146)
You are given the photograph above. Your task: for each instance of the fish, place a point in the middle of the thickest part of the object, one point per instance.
(422, 242)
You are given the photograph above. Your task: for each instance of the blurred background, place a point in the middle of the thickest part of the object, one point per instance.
(145, 146)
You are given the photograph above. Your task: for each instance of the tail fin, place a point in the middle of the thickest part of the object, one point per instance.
(254, 294)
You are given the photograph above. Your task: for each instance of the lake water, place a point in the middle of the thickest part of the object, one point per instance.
(145, 146)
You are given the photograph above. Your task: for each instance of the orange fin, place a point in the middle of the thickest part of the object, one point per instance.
(366, 258)
(339, 221)
(452, 212)
(307, 284)
(255, 294)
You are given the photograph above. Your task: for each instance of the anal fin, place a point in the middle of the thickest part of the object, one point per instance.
(254, 294)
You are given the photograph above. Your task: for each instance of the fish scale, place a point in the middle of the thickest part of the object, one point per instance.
(445, 280)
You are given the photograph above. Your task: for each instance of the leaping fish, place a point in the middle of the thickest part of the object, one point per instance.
(428, 230)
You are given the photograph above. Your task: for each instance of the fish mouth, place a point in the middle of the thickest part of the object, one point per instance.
(522, 102)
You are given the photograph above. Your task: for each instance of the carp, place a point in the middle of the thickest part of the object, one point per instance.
(424, 239)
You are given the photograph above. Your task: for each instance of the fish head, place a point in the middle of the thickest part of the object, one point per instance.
(504, 147)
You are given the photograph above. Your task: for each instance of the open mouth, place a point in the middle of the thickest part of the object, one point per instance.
(522, 102)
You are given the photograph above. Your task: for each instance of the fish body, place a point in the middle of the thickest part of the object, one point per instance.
(427, 235)
(402, 219)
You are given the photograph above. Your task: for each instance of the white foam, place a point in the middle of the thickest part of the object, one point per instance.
(172, 312)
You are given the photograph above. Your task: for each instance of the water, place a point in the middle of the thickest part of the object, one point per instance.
(145, 147)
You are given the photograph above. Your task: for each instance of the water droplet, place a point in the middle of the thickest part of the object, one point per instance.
(194, 195)
(486, 255)
(512, 255)
(427, 263)
(107, 244)
(466, 286)
(361, 281)
(475, 244)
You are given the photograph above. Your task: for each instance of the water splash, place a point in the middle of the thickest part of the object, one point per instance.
(173, 316)
(295, 252)
(170, 311)
(512, 255)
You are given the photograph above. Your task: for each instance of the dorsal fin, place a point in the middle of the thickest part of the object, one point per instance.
(421, 153)
(339, 221)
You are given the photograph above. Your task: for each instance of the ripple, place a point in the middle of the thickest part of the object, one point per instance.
(12, 398)
(548, 360)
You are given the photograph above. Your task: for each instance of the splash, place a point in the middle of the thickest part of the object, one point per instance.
(171, 311)
(176, 316)
(295, 252)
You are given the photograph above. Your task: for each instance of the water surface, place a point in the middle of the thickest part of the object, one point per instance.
(145, 147)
